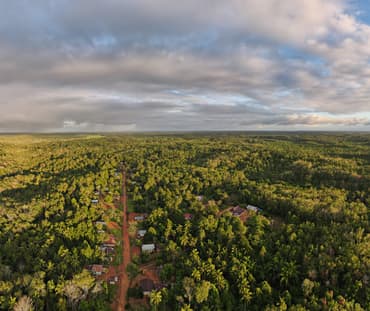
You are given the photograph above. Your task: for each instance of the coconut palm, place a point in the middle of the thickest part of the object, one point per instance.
(155, 299)
(24, 303)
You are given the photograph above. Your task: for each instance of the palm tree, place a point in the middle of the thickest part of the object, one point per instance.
(25, 303)
(155, 299)
(189, 285)
(186, 308)
(73, 293)
(288, 273)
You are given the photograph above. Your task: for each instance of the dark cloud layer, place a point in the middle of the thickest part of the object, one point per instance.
(90, 65)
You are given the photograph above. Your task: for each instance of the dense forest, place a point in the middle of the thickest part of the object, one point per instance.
(306, 248)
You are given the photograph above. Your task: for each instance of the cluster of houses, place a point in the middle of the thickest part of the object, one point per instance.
(147, 284)
(108, 247)
(132, 217)
(138, 217)
(97, 194)
(95, 198)
(100, 270)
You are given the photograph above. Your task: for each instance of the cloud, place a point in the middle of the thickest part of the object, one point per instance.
(89, 65)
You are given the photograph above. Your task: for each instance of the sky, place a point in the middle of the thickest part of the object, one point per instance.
(164, 65)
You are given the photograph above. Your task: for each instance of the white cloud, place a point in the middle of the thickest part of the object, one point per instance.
(94, 65)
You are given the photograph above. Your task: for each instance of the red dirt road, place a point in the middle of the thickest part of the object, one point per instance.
(124, 280)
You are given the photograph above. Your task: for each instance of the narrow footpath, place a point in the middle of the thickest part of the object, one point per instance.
(124, 280)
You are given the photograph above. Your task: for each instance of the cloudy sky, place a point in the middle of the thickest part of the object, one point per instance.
(148, 65)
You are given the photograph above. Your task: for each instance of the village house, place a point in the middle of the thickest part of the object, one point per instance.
(141, 233)
(188, 216)
(101, 225)
(108, 247)
(96, 270)
(137, 216)
(147, 285)
(148, 248)
(108, 251)
(113, 280)
(94, 201)
(110, 242)
(254, 208)
(237, 211)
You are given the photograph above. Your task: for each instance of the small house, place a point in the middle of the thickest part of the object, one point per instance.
(100, 223)
(110, 242)
(237, 211)
(147, 285)
(188, 216)
(141, 233)
(254, 208)
(109, 251)
(94, 201)
(113, 280)
(96, 269)
(137, 216)
(148, 248)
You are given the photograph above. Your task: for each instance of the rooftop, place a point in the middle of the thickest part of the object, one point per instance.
(147, 285)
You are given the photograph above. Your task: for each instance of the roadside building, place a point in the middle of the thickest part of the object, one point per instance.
(147, 286)
(113, 280)
(137, 217)
(148, 248)
(141, 233)
(110, 242)
(96, 270)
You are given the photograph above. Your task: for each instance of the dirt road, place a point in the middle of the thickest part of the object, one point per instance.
(124, 280)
